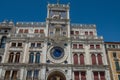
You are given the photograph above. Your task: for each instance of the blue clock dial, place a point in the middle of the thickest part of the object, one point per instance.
(57, 52)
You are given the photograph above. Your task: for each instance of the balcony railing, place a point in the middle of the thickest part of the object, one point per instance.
(58, 5)
(86, 37)
(27, 35)
(30, 24)
(84, 25)
(16, 48)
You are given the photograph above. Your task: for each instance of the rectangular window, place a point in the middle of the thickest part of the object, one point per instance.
(117, 65)
(74, 46)
(36, 31)
(113, 46)
(80, 46)
(7, 75)
(76, 32)
(57, 29)
(72, 32)
(20, 30)
(119, 77)
(38, 44)
(41, 31)
(86, 32)
(97, 46)
(109, 46)
(91, 46)
(51, 32)
(114, 55)
(26, 31)
(64, 33)
(32, 44)
(13, 45)
(91, 33)
(19, 44)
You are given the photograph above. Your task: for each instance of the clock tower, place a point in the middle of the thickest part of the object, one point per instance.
(58, 21)
(58, 34)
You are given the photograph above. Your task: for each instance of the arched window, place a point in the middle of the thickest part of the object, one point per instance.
(29, 75)
(82, 59)
(3, 41)
(31, 57)
(99, 59)
(14, 75)
(11, 55)
(7, 75)
(83, 75)
(95, 75)
(17, 57)
(102, 75)
(76, 75)
(75, 59)
(37, 60)
(36, 73)
(93, 59)
(0, 59)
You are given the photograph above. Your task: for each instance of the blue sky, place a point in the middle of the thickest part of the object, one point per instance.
(104, 13)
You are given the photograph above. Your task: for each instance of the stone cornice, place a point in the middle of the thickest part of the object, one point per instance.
(25, 65)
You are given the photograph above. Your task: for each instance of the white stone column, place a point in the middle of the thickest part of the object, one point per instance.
(48, 12)
(107, 75)
(24, 73)
(25, 53)
(72, 75)
(89, 74)
(68, 28)
(69, 75)
(43, 74)
(46, 30)
(6, 54)
(14, 57)
(47, 22)
(104, 55)
(44, 53)
(78, 58)
(21, 74)
(0, 72)
(87, 55)
(68, 12)
(68, 51)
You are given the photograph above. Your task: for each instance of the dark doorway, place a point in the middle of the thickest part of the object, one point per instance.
(56, 75)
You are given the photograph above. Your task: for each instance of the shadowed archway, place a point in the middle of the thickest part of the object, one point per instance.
(56, 75)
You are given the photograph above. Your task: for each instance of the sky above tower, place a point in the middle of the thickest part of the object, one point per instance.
(104, 13)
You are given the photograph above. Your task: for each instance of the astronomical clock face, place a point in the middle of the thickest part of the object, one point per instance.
(56, 54)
